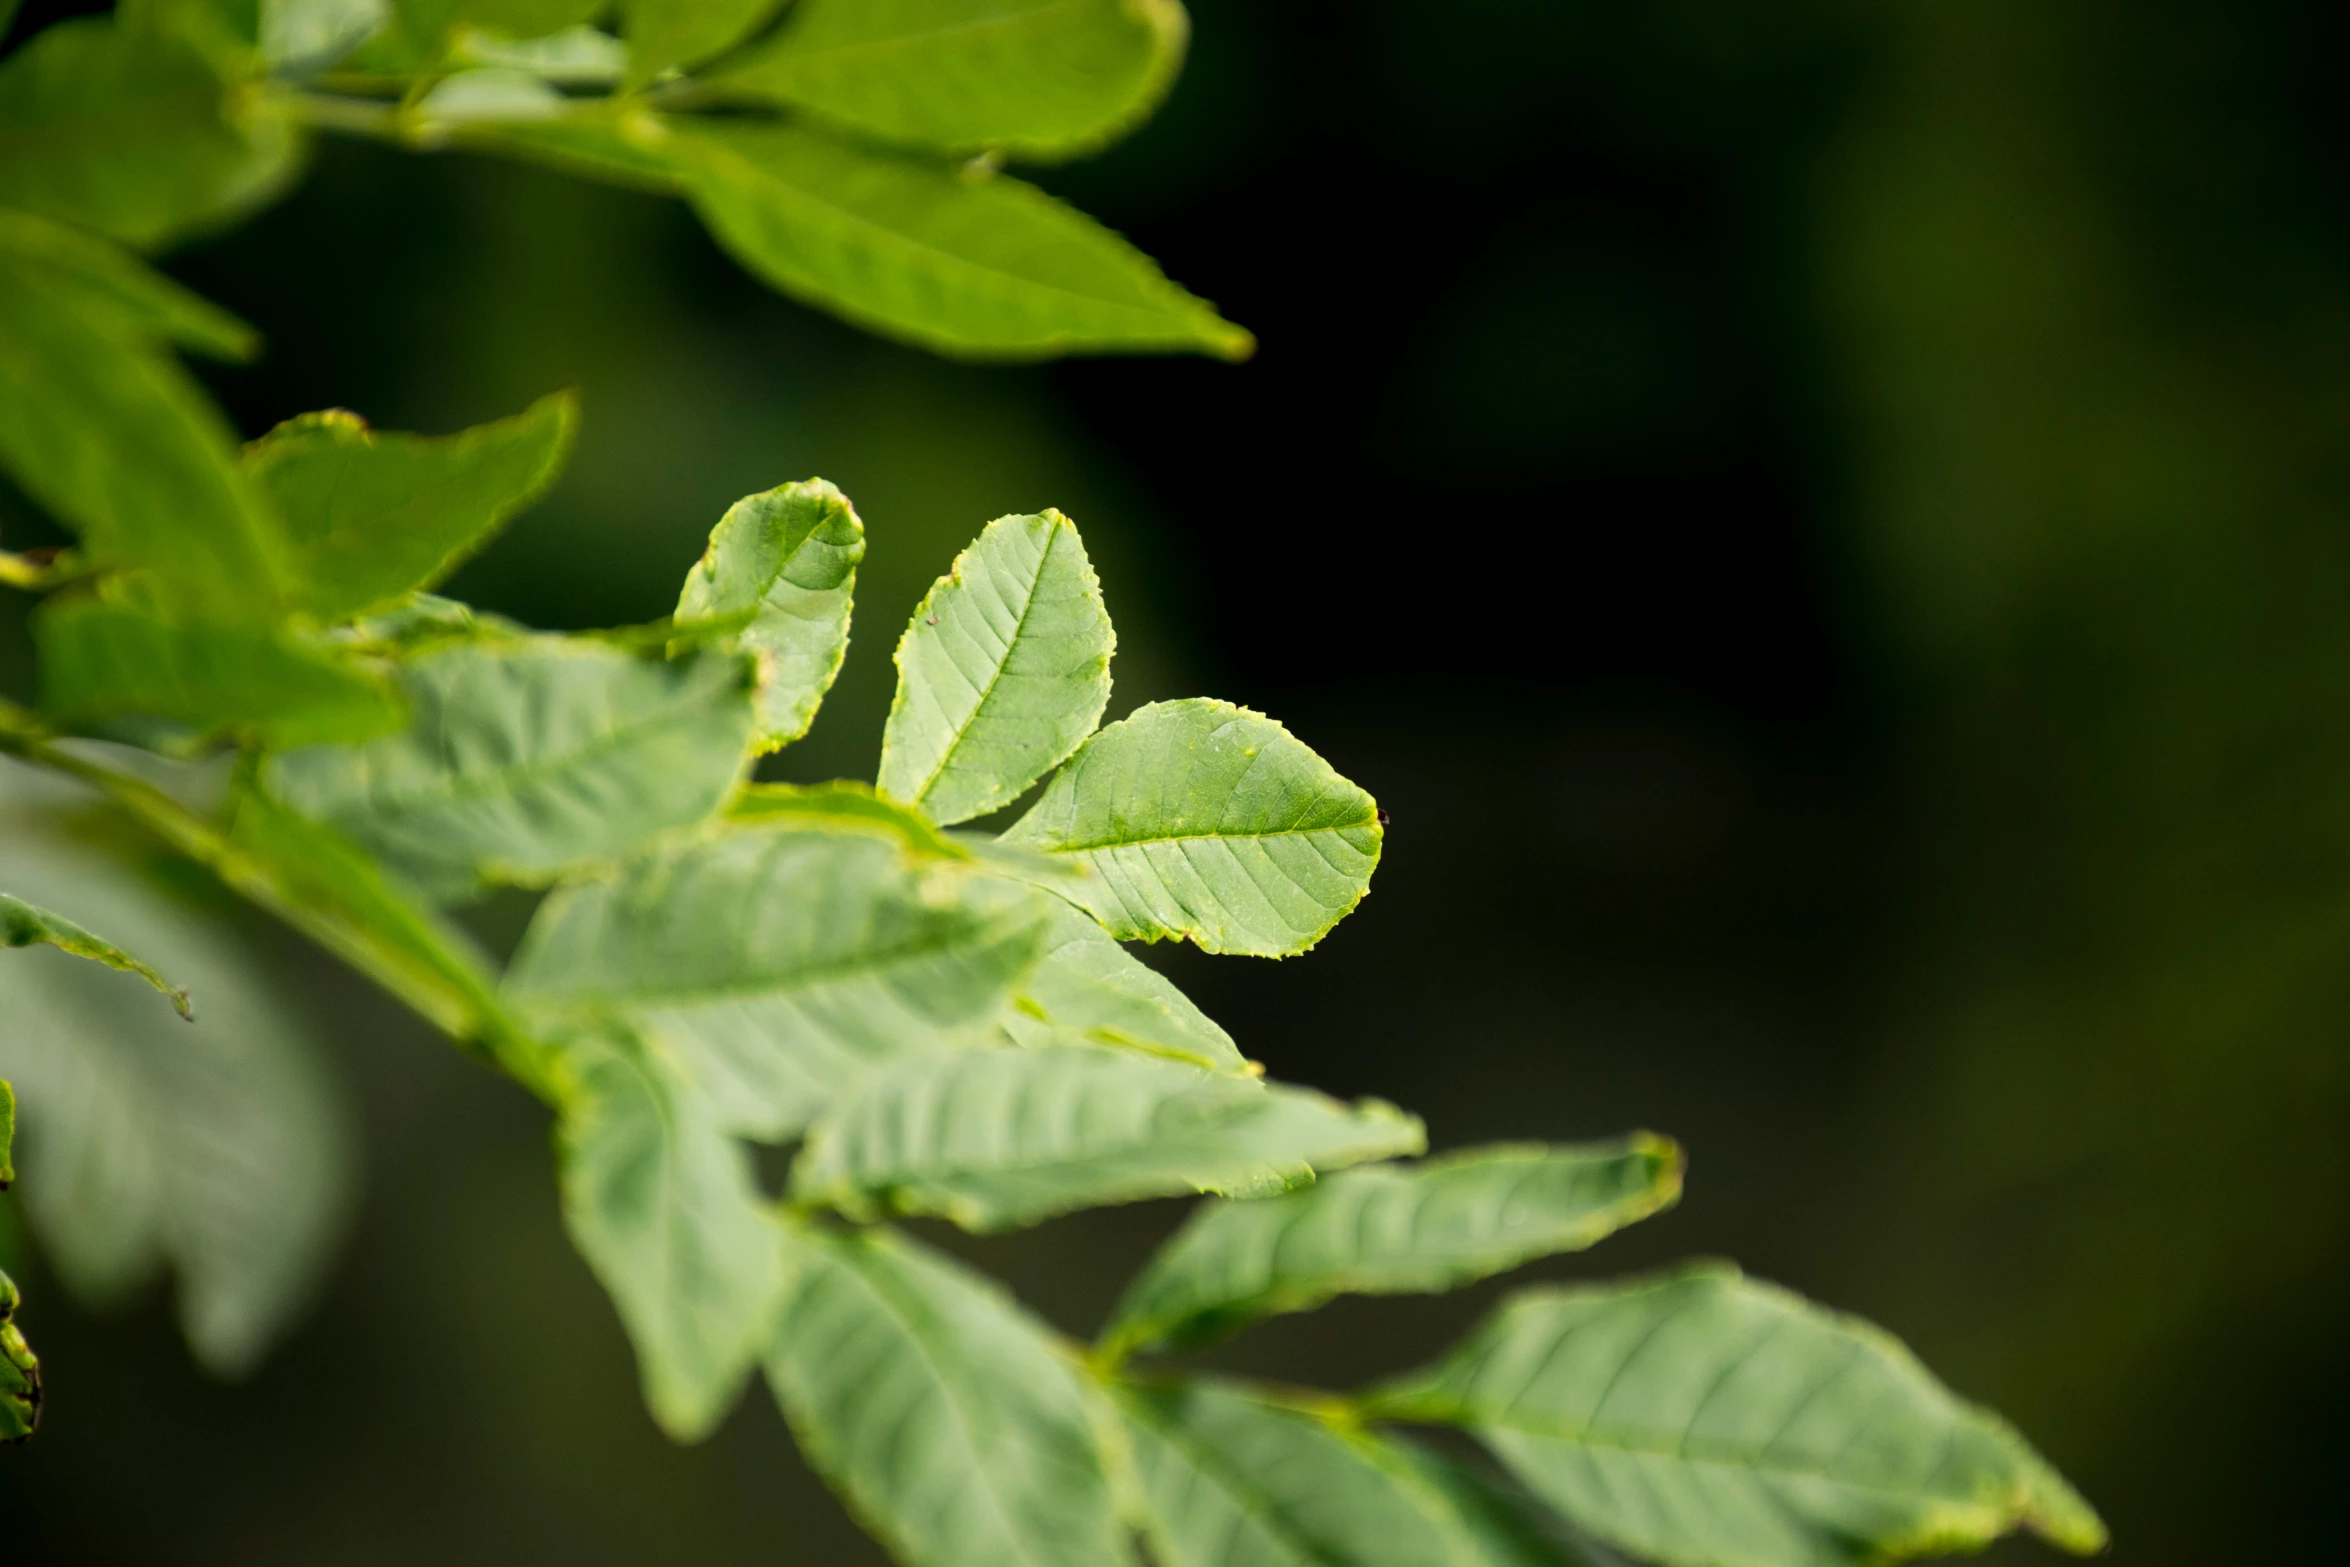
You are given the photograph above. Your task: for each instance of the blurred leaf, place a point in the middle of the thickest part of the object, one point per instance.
(1390, 1230)
(422, 35)
(1002, 672)
(574, 57)
(7, 1133)
(1704, 1418)
(665, 34)
(963, 263)
(942, 1411)
(627, 148)
(302, 36)
(129, 130)
(20, 1368)
(1087, 987)
(24, 924)
(1229, 1481)
(1205, 820)
(526, 756)
(661, 1203)
(115, 283)
(221, 1148)
(370, 515)
(106, 660)
(784, 965)
(845, 805)
(996, 1138)
(1034, 78)
(787, 559)
(103, 428)
(1509, 1527)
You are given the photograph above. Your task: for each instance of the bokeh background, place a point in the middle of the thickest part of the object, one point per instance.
(1826, 524)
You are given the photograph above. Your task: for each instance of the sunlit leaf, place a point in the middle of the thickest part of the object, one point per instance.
(994, 1138)
(118, 285)
(665, 34)
(372, 515)
(1392, 1229)
(662, 1204)
(1087, 987)
(1002, 672)
(25, 924)
(525, 756)
(944, 1412)
(574, 57)
(1706, 1419)
(422, 30)
(301, 36)
(1204, 820)
(1034, 78)
(787, 560)
(784, 965)
(846, 806)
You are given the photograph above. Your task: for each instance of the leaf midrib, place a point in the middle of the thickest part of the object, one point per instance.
(963, 730)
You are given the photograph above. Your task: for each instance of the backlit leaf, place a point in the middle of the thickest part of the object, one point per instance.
(1204, 820)
(665, 34)
(944, 1413)
(1392, 1229)
(995, 1138)
(24, 924)
(1087, 987)
(1002, 672)
(1708, 1420)
(786, 559)
(1034, 78)
(117, 284)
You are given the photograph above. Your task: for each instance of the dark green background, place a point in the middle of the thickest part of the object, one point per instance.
(1827, 526)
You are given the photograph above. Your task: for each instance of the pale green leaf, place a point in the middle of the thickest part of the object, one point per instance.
(525, 756)
(1506, 1526)
(783, 964)
(1204, 820)
(20, 1368)
(302, 36)
(426, 33)
(966, 263)
(945, 1414)
(25, 924)
(1002, 672)
(664, 35)
(1087, 987)
(662, 1204)
(103, 660)
(129, 131)
(1390, 1230)
(1707, 1420)
(1033, 78)
(489, 95)
(574, 57)
(115, 283)
(372, 515)
(222, 1149)
(785, 560)
(996, 1138)
(845, 805)
(105, 430)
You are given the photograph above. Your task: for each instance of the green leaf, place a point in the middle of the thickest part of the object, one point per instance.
(996, 1138)
(24, 924)
(1229, 1481)
(662, 1204)
(303, 36)
(787, 560)
(129, 131)
(1002, 673)
(103, 660)
(1707, 1420)
(370, 516)
(954, 1426)
(574, 57)
(666, 34)
(1391, 1230)
(846, 806)
(1033, 78)
(424, 33)
(965, 263)
(1205, 820)
(1508, 1528)
(526, 756)
(114, 283)
(1087, 987)
(7, 1133)
(104, 429)
(784, 965)
(222, 1148)
(20, 1368)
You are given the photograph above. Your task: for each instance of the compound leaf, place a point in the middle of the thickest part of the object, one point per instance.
(965, 263)
(996, 1138)
(526, 756)
(665, 34)
(24, 924)
(1033, 78)
(662, 1204)
(1087, 987)
(783, 964)
(784, 560)
(1391, 1229)
(1002, 673)
(104, 660)
(370, 516)
(1204, 820)
(943, 1412)
(1705, 1419)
